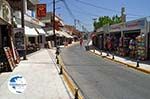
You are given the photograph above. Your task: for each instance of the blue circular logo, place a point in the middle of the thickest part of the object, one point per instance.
(17, 84)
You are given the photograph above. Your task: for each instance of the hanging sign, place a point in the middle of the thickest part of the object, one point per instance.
(41, 10)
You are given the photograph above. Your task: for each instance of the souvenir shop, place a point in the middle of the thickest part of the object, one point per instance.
(114, 35)
(100, 39)
(35, 35)
(5, 33)
(131, 39)
(134, 39)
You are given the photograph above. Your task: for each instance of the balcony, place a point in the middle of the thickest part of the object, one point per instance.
(16, 4)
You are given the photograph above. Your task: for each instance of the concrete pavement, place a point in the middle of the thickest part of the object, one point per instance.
(43, 80)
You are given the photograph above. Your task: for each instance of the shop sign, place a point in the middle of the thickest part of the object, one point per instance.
(116, 27)
(137, 24)
(19, 38)
(41, 10)
(5, 11)
(99, 30)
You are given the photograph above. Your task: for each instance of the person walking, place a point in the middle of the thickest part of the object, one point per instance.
(81, 41)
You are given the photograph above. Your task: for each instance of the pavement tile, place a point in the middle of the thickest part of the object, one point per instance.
(43, 80)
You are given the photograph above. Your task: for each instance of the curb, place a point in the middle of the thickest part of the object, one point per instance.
(72, 44)
(75, 90)
(128, 65)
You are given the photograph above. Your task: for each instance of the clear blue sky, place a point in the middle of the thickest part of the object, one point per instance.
(134, 8)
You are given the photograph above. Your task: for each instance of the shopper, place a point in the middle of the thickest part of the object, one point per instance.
(81, 41)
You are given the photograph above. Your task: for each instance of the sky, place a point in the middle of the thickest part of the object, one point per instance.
(87, 10)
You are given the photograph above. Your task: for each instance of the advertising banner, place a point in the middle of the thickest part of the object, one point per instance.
(19, 38)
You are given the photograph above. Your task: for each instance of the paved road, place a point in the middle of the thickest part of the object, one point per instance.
(102, 79)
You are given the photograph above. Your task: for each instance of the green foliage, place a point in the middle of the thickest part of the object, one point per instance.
(104, 20)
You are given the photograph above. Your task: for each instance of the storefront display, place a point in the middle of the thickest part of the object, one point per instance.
(9, 57)
(141, 53)
(132, 48)
(3, 61)
(130, 39)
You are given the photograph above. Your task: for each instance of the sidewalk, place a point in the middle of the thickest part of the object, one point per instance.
(143, 66)
(43, 80)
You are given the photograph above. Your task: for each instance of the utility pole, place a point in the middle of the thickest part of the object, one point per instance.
(94, 20)
(54, 24)
(75, 23)
(22, 25)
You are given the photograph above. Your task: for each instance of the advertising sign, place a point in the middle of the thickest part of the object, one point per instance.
(116, 27)
(136, 24)
(41, 10)
(9, 57)
(19, 38)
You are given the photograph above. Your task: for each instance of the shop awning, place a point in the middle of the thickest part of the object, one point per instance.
(66, 34)
(40, 31)
(58, 33)
(30, 31)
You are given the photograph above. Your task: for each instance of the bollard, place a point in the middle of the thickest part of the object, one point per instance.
(76, 93)
(101, 52)
(137, 65)
(57, 61)
(107, 54)
(113, 57)
(61, 70)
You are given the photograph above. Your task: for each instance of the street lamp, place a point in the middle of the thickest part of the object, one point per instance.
(22, 25)
(54, 23)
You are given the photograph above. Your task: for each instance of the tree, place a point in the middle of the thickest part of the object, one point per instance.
(104, 20)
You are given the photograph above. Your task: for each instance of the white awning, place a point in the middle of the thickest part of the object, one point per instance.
(40, 31)
(30, 31)
(58, 33)
(66, 34)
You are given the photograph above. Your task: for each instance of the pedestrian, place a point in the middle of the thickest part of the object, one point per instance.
(81, 41)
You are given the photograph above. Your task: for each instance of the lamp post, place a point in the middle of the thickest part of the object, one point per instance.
(22, 25)
(54, 24)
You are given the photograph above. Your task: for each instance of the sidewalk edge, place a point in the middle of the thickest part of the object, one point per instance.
(76, 91)
(129, 65)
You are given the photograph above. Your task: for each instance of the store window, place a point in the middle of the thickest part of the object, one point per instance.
(40, 39)
(32, 40)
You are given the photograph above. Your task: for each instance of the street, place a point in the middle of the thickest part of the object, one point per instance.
(99, 78)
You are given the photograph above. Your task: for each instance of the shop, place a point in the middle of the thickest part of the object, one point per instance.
(41, 37)
(130, 39)
(134, 42)
(115, 35)
(100, 39)
(32, 44)
(5, 33)
(34, 34)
